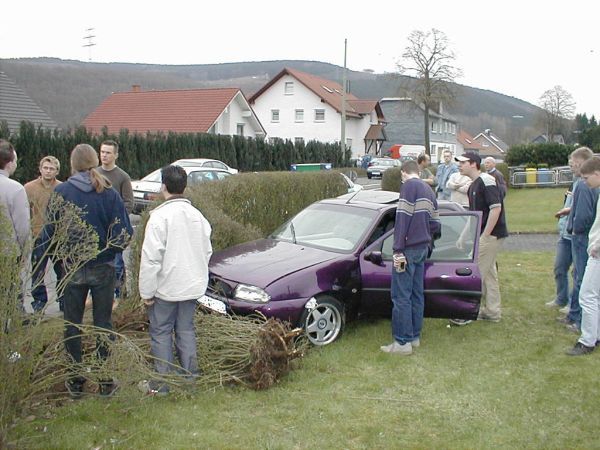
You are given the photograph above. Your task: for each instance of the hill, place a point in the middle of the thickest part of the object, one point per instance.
(69, 90)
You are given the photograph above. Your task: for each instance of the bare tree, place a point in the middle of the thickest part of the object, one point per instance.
(429, 59)
(559, 107)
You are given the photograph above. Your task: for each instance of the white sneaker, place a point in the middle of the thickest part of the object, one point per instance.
(459, 322)
(564, 309)
(416, 343)
(397, 348)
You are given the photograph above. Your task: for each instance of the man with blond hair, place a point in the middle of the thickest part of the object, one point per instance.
(579, 222)
(39, 192)
(589, 294)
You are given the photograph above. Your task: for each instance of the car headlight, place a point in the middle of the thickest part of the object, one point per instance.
(252, 294)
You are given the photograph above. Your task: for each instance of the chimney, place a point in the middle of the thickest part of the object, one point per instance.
(488, 131)
(136, 88)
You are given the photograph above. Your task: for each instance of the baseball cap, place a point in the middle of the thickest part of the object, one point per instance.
(469, 156)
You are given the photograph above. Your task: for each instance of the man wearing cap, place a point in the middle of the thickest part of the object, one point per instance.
(485, 196)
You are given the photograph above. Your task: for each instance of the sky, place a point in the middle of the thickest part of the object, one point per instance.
(517, 48)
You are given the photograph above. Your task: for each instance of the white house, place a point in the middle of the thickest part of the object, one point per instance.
(302, 107)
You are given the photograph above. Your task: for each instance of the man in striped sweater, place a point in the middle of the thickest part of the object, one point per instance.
(417, 221)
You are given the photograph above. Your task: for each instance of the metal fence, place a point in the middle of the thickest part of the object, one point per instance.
(557, 176)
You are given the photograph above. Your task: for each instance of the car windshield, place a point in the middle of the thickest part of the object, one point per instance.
(331, 227)
(384, 162)
(154, 176)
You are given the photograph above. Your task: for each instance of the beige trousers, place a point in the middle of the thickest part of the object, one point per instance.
(490, 302)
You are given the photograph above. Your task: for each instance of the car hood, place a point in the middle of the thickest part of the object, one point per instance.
(146, 186)
(262, 262)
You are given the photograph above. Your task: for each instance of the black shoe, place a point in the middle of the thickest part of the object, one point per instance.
(107, 389)
(75, 388)
(37, 305)
(580, 349)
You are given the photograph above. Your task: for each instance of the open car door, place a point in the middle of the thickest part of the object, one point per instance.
(452, 277)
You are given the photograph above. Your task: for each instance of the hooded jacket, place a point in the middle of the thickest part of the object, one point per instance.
(104, 211)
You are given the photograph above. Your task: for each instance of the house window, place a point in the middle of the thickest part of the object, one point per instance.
(298, 141)
(453, 128)
(274, 115)
(299, 115)
(289, 88)
(240, 129)
(348, 144)
(434, 127)
(319, 115)
(432, 149)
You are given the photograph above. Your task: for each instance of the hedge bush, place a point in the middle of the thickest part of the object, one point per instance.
(140, 154)
(391, 179)
(532, 155)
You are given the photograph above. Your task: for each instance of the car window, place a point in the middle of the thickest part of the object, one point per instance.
(447, 247)
(154, 177)
(218, 165)
(332, 227)
(222, 175)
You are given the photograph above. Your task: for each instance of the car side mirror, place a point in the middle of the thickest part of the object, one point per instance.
(375, 257)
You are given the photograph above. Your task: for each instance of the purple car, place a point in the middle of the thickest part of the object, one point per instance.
(333, 261)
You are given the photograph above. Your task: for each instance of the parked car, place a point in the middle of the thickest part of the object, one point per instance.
(377, 166)
(203, 162)
(146, 190)
(333, 261)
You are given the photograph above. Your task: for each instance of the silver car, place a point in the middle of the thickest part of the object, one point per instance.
(379, 165)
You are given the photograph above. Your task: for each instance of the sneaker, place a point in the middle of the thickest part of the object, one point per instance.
(574, 328)
(397, 348)
(580, 349)
(108, 388)
(488, 318)
(553, 304)
(564, 320)
(75, 389)
(459, 322)
(149, 388)
(564, 309)
(416, 343)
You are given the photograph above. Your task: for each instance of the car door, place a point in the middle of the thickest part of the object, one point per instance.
(452, 277)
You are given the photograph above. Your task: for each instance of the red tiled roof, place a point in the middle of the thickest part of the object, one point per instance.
(182, 111)
(329, 91)
(468, 142)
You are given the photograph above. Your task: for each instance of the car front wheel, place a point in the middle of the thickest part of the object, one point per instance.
(324, 323)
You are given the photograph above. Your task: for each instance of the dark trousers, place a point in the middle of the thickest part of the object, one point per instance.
(39, 261)
(100, 280)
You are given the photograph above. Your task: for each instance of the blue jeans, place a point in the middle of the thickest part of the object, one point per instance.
(119, 273)
(579, 243)
(166, 318)
(39, 261)
(100, 280)
(562, 264)
(407, 297)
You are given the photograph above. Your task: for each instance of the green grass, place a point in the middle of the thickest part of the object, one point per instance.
(486, 385)
(532, 210)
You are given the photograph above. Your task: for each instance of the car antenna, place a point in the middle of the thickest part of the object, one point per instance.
(354, 195)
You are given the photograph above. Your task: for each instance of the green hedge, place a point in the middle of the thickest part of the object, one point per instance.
(392, 179)
(141, 154)
(532, 155)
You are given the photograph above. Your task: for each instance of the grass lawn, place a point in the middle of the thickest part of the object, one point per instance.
(532, 210)
(486, 385)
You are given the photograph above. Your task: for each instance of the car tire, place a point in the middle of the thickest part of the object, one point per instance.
(324, 323)
(369, 176)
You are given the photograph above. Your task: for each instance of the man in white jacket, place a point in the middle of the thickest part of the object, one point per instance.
(173, 275)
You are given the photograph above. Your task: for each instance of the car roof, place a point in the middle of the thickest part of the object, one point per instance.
(376, 199)
(195, 161)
